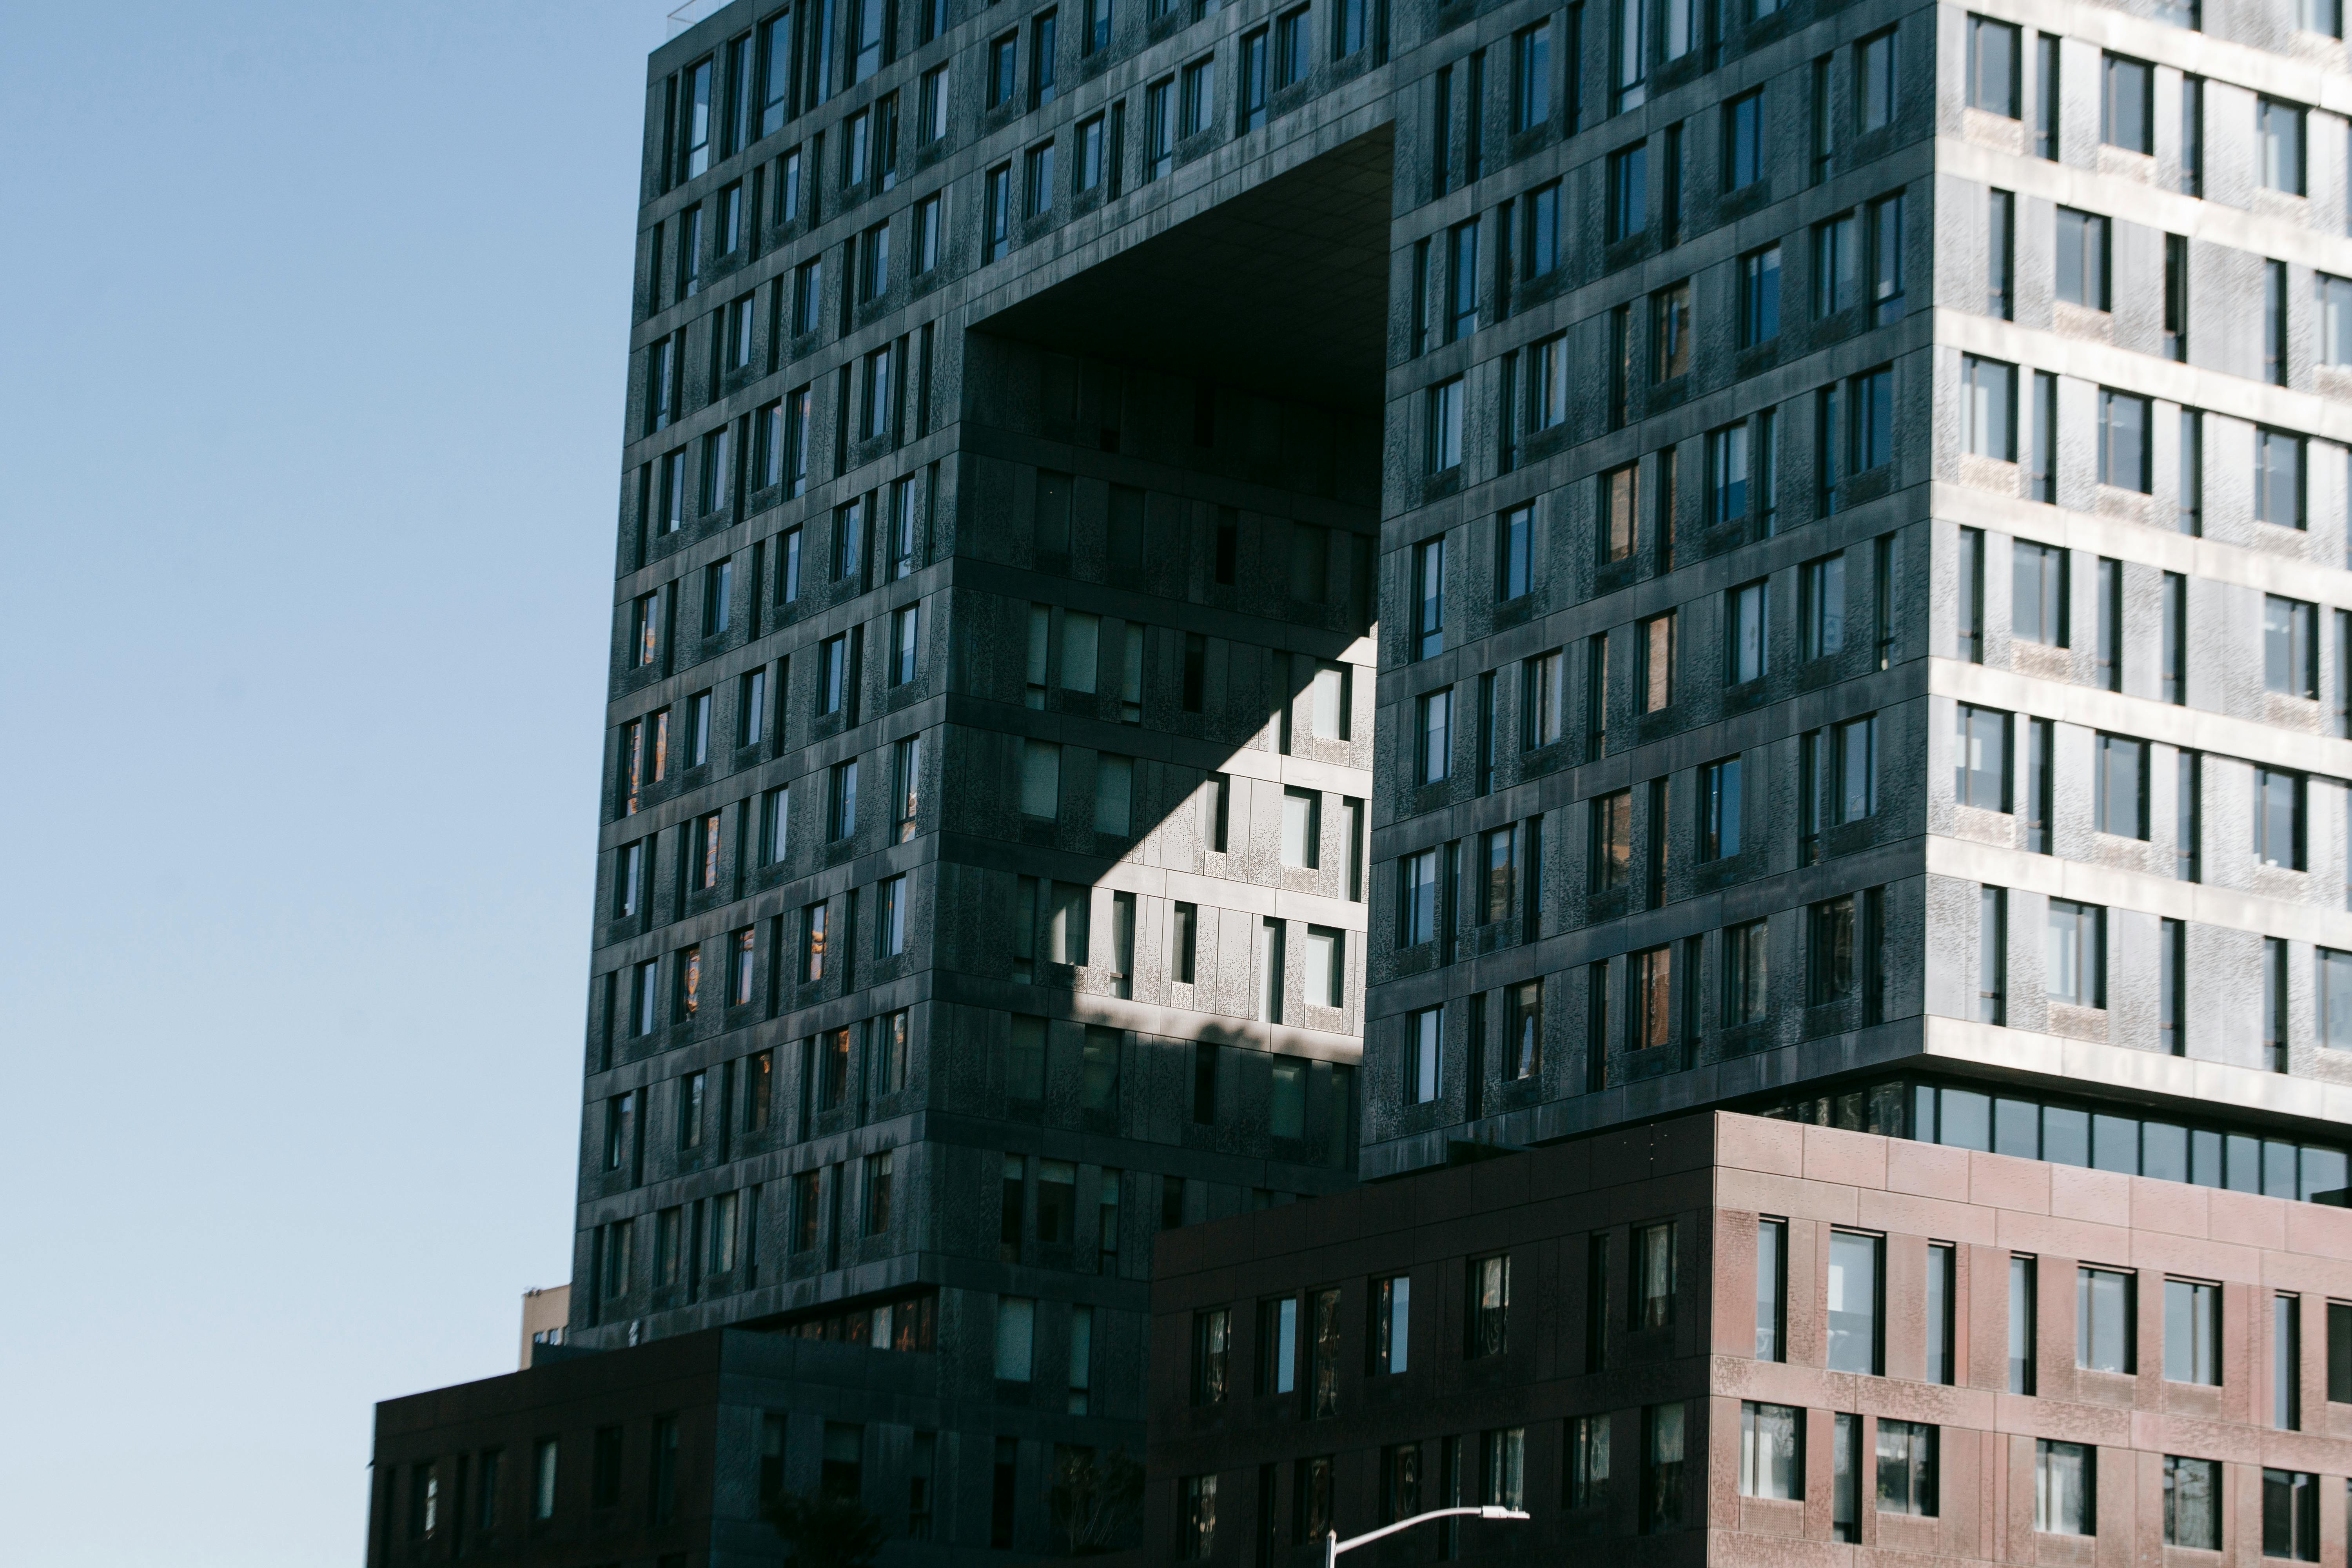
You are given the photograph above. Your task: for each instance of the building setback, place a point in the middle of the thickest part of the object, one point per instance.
(1726, 1339)
(1214, 600)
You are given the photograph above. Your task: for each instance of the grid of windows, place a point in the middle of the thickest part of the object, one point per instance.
(1486, 269)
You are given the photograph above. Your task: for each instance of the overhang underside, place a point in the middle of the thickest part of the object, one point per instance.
(1282, 289)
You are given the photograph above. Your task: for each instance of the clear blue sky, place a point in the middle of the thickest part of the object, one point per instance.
(310, 414)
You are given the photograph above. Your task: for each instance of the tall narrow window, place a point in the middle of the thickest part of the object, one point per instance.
(2188, 815)
(2286, 1362)
(2274, 323)
(1969, 617)
(2175, 296)
(1771, 1289)
(2192, 135)
(2045, 95)
(2041, 453)
(2021, 1324)
(1941, 1366)
(1992, 955)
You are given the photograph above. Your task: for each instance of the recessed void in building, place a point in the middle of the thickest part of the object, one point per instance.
(1282, 289)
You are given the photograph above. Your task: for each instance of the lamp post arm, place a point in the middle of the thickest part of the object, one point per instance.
(1333, 1545)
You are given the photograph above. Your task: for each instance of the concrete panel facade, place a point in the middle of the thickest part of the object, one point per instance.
(1185, 576)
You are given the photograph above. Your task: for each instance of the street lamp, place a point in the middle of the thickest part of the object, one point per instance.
(1333, 1545)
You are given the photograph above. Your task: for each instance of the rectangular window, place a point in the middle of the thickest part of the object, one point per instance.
(1514, 553)
(1837, 265)
(1886, 235)
(1544, 700)
(2120, 798)
(1771, 1451)
(2075, 953)
(1874, 420)
(1587, 1471)
(2193, 1331)
(2192, 1503)
(1211, 1350)
(1489, 1309)
(2278, 818)
(1200, 96)
(1462, 268)
(1992, 61)
(1445, 429)
(2042, 452)
(1000, 212)
(2291, 1515)
(1906, 1468)
(1771, 1289)
(1726, 475)
(2000, 255)
(1037, 180)
(2290, 648)
(1391, 1324)
(1655, 646)
(1743, 141)
(1744, 973)
(1992, 955)
(1159, 128)
(1661, 1508)
(1941, 1366)
(2021, 1321)
(2104, 1313)
(1611, 859)
(2123, 440)
(2278, 137)
(2274, 323)
(2083, 273)
(1670, 333)
(1747, 641)
(2046, 102)
(2286, 1362)
(1434, 753)
(1424, 1044)
(1522, 1024)
(2278, 478)
(2038, 595)
(1531, 77)
(1628, 205)
(1856, 763)
(2335, 1033)
(1290, 48)
(1759, 296)
(1720, 809)
(1857, 1321)
(2065, 1487)
(1874, 70)
(1821, 607)
(1250, 98)
(2127, 105)
(1540, 235)
(1987, 408)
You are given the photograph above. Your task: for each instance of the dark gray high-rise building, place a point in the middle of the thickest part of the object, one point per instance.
(1210, 600)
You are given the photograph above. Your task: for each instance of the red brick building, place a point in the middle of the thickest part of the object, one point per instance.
(1750, 1340)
